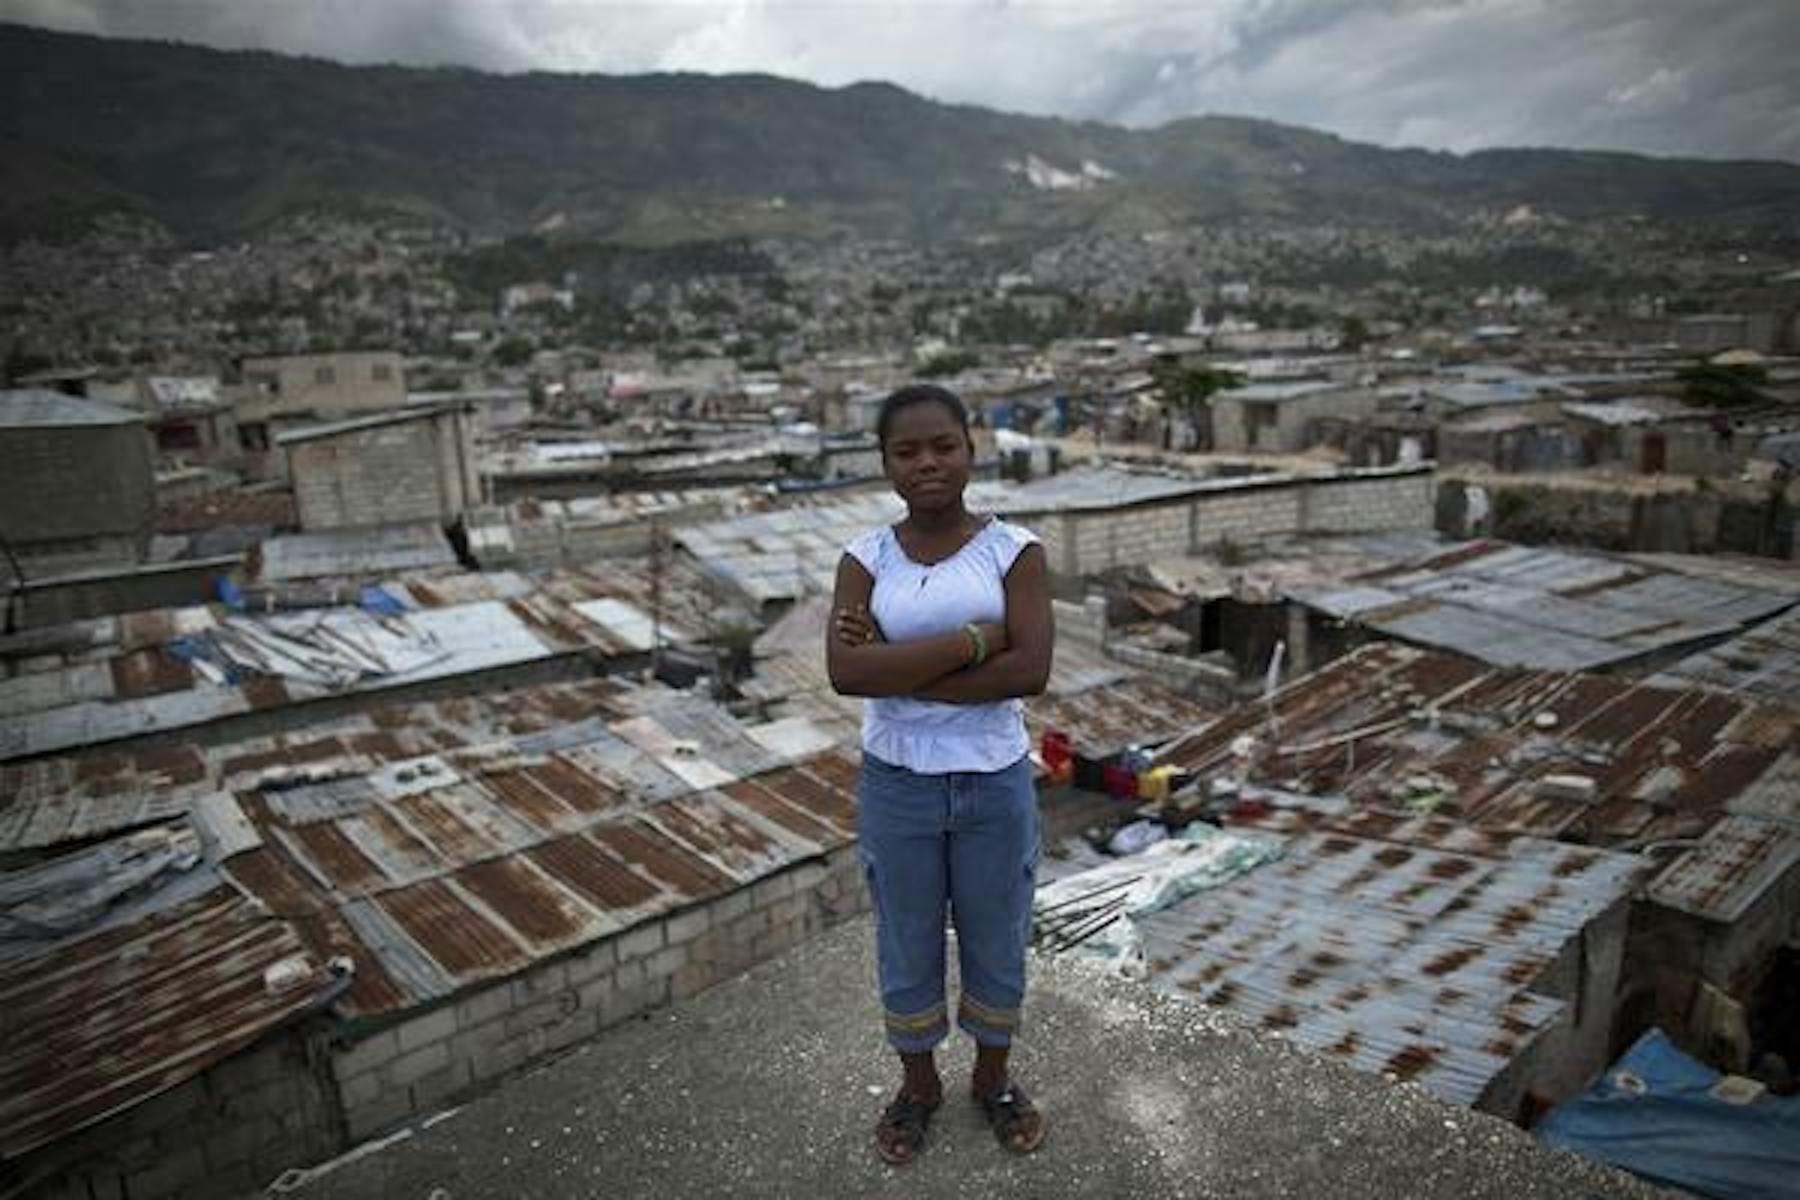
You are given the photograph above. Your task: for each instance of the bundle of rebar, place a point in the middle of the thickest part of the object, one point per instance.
(1068, 923)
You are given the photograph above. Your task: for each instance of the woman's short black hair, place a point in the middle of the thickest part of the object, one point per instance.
(919, 393)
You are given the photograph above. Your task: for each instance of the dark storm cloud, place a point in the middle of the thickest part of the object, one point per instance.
(1660, 76)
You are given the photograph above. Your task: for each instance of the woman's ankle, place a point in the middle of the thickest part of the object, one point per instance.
(989, 1076)
(919, 1078)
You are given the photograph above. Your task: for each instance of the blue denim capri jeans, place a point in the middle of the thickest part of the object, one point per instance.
(965, 843)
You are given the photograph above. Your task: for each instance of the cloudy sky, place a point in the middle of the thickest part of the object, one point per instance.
(1718, 79)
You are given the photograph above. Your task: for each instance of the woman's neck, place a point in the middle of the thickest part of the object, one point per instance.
(938, 521)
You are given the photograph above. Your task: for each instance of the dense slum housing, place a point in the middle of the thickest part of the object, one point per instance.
(292, 933)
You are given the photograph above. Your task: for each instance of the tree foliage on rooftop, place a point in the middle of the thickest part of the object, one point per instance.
(1188, 389)
(1723, 385)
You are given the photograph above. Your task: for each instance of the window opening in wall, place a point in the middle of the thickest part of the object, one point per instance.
(178, 437)
(1259, 416)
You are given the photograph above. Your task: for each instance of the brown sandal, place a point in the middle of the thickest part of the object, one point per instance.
(1015, 1120)
(900, 1134)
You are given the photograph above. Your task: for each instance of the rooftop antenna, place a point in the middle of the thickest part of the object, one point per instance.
(14, 594)
(1272, 681)
(656, 592)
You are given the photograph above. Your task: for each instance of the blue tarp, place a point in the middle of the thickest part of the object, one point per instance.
(1654, 1115)
(374, 600)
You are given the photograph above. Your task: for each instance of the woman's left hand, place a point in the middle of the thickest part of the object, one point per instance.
(855, 627)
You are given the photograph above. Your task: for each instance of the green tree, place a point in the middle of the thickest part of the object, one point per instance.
(1723, 385)
(949, 363)
(1187, 390)
(513, 352)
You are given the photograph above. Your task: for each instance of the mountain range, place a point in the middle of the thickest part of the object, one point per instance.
(215, 143)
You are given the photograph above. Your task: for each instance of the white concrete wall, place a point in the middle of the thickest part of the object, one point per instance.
(325, 384)
(1086, 542)
(394, 473)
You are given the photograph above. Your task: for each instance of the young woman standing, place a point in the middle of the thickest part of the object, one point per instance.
(943, 621)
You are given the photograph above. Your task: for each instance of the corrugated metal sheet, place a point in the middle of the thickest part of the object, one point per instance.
(1546, 609)
(1774, 796)
(442, 871)
(1108, 717)
(1763, 663)
(1394, 952)
(102, 791)
(1390, 722)
(98, 1023)
(787, 553)
(349, 553)
(462, 624)
(1734, 864)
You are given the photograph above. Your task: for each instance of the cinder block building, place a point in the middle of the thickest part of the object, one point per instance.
(280, 388)
(1277, 418)
(79, 488)
(383, 470)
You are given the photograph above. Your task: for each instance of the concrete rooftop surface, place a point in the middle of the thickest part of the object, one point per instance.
(769, 1085)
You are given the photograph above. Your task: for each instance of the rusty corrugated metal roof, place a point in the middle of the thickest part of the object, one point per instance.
(1411, 945)
(435, 873)
(1508, 752)
(102, 790)
(1737, 860)
(97, 1023)
(1104, 720)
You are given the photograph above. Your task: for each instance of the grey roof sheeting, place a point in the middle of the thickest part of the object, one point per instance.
(27, 408)
(1764, 663)
(1736, 862)
(435, 875)
(789, 552)
(1409, 942)
(355, 553)
(1543, 608)
(103, 790)
(331, 429)
(1108, 486)
(451, 625)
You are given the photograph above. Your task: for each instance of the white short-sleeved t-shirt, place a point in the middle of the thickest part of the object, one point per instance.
(911, 601)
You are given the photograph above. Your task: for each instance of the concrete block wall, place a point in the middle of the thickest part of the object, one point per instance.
(420, 1065)
(59, 601)
(230, 1130)
(1092, 540)
(1246, 515)
(341, 382)
(1124, 536)
(1083, 623)
(73, 483)
(1367, 504)
(1200, 678)
(371, 477)
(1054, 530)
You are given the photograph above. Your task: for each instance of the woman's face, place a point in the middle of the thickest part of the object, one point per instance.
(927, 456)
